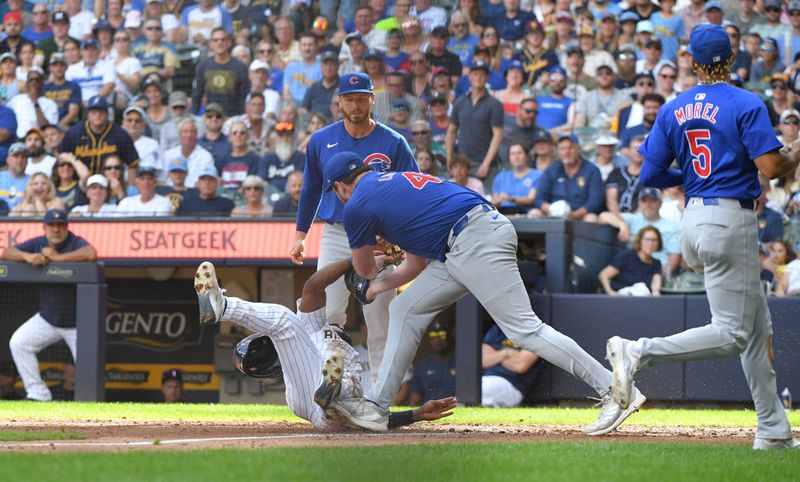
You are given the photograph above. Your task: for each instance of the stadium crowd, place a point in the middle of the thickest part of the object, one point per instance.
(183, 108)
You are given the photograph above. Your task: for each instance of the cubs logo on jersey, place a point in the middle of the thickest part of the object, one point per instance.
(378, 161)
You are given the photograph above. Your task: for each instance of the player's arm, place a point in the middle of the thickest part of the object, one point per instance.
(775, 164)
(365, 263)
(310, 196)
(314, 288)
(658, 156)
(409, 270)
(430, 410)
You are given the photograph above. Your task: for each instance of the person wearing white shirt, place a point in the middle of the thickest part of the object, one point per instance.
(81, 22)
(147, 202)
(39, 160)
(196, 156)
(30, 108)
(133, 122)
(94, 77)
(97, 192)
(429, 15)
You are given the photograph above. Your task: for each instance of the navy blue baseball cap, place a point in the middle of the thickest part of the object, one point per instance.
(98, 102)
(557, 69)
(355, 82)
(338, 167)
(709, 44)
(90, 42)
(650, 193)
(514, 65)
(55, 216)
(568, 137)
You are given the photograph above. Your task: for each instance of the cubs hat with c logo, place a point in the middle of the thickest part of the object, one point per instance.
(355, 82)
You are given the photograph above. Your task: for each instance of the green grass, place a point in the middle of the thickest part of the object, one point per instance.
(28, 435)
(65, 411)
(554, 461)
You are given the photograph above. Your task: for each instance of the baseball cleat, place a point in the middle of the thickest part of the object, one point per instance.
(331, 386)
(624, 365)
(775, 444)
(362, 413)
(612, 415)
(210, 297)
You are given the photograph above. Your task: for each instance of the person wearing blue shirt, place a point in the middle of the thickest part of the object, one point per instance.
(462, 43)
(508, 371)
(14, 181)
(377, 146)
(8, 132)
(55, 319)
(514, 191)
(669, 29)
(554, 108)
(574, 180)
(299, 75)
(511, 23)
(495, 80)
(435, 375)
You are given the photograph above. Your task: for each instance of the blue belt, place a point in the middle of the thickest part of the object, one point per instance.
(714, 201)
(464, 221)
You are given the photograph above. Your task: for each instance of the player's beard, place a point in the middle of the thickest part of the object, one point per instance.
(284, 150)
(358, 118)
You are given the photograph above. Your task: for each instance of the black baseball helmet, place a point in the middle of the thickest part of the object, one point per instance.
(255, 356)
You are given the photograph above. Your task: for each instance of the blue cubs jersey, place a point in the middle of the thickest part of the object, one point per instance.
(412, 210)
(384, 149)
(714, 132)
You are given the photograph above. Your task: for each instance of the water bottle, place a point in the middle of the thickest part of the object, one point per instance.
(786, 398)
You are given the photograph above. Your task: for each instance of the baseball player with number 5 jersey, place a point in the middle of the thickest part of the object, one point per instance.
(721, 137)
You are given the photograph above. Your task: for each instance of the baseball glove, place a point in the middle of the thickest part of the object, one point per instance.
(357, 285)
(396, 253)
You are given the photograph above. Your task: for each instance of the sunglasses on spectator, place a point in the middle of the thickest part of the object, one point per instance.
(490, 34)
(178, 107)
(213, 116)
(420, 133)
(668, 76)
(153, 27)
(644, 84)
(40, 12)
(772, 9)
(530, 111)
(792, 122)
(112, 168)
(627, 57)
(238, 133)
(604, 72)
(266, 51)
(779, 87)
(62, 164)
(122, 39)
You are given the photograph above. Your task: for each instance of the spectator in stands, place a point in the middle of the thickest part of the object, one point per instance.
(510, 24)
(781, 254)
(97, 194)
(172, 385)
(626, 67)
(241, 53)
(523, 130)
(594, 58)
(239, 163)
(770, 222)
(288, 49)
(422, 140)
(31, 108)
(769, 64)
(155, 106)
(50, 45)
(286, 207)
(420, 72)
(179, 110)
(365, 29)
(52, 137)
(667, 75)
(285, 158)
(119, 188)
(416, 40)
(535, 56)
(430, 16)
(745, 17)
(94, 77)
(26, 53)
(476, 127)
(606, 158)
(69, 176)
(10, 86)
(13, 180)
(260, 82)
(462, 41)
(81, 21)
(651, 59)
(252, 192)
(221, 78)
(578, 83)
(513, 94)
(299, 75)
(399, 118)
(39, 28)
(128, 70)
(622, 186)
(773, 27)
(395, 90)
(12, 26)
(508, 371)
(693, 15)
(65, 93)
(394, 57)
(633, 113)
(514, 191)
(318, 97)
(207, 202)
(178, 169)
(635, 272)
(651, 103)
(789, 126)
(543, 154)
(357, 47)
(133, 122)
(459, 174)
(38, 158)
(439, 56)
(598, 107)
(8, 132)
(494, 80)
(147, 203)
(434, 376)
(556, 109)
(212, 139)
(200, 21)
(427, 162)
(55, 319)
(253, 118)
(375, 67)
(72, 52)
(40, 195)
(197, 157)
(781, 100)
(99, 138)
(575, 184)
(104, 33)
(316, 121)
(114, 15)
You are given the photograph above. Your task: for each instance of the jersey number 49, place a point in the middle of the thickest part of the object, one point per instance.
(701, 153)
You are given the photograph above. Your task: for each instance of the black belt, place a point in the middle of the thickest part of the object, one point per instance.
(464, 221)
(714, 201)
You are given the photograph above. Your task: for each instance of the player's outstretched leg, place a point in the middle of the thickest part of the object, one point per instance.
(210, 298)
(612, 414)
(624, 365)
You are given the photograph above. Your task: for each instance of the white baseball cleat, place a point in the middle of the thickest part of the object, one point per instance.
(624, 365)
(331, 386)
(210, 297)
(612, 415)
(362, 413)
(775, 444)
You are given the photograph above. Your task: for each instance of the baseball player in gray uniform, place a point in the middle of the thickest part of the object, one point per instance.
(721, 137)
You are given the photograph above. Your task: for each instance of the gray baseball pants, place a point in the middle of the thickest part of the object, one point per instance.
(483, 261)
(721, 241)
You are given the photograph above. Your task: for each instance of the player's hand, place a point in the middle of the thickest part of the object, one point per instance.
(435, 409)
(296, 253)
(36, 259)
(482, 171)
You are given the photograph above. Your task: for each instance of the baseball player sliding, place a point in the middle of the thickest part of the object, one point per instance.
(456, 243)
(318, 365)
(721, 137)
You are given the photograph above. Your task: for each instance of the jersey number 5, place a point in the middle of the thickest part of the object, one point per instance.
(420, 180)
(701, 153)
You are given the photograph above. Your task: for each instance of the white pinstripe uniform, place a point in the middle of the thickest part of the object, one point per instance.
(303, 342)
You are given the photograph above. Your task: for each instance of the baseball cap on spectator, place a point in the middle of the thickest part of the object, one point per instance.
(627, 52)
(178, 164)
(608, 16)
(9, 55)
(58, 58)
(35, 70)
(439, 70)
(585, 31)
(573, 48)
(644, 75)
(564, 17)
(172, 374)
(440, 32)
(605, 67)
(789, 113)
(542, 136)
(769, 44)
(35, 130)
(102, 24)
(215, 107)
(772, 3)
(644, 26)
(258, 64)
(208, 171)
(328, 55)
(338, 167)
(568, 137)
(479, 65)
(793, 6)
(56, 216)
(654, 43)
(354, 36)
(89, 43)
(628, 17)
(533, 26)
(146, 171)
(151, 80)
(97, 179)
(709, 44)
(18, 148)
(134, 108)
(394, 33)
(178, 98)
(373, 54)
(712, 4)
(59, 16)
(13, 16)
(133, 19)
(98, 102)
(437, 97)
(650, 193)
(514, 65)
(400, 104)
(556, 70)
(606, 140)
(355, 82)
(736, 79)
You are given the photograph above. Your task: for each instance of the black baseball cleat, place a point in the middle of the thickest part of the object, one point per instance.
(331, 386)
(210, 297)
